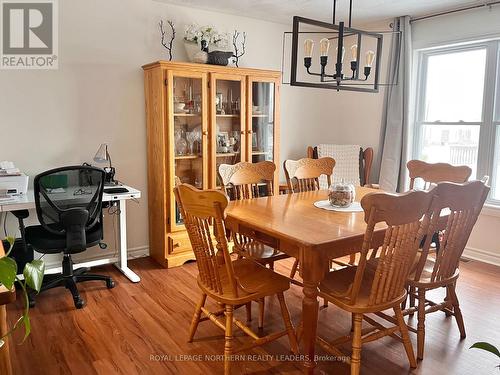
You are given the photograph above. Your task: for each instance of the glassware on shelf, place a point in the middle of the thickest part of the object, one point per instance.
(226, 108)
(229, 103)
(263, 106)
(341, 194)
(197, 139)
(181, 146)
(190, 101)
(179, 107)
(197, 104)
(235, 107)
(191, 138)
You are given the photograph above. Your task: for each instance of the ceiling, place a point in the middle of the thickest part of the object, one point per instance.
(364, 11)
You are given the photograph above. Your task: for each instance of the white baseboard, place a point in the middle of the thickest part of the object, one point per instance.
(482, 255)
(53, 264)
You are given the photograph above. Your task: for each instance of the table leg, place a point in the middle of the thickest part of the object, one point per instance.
(312, 273)
(122, 262)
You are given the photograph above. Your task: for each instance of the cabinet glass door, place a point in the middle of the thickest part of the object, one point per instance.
(228, 121)
(188, 135)
(262, 120)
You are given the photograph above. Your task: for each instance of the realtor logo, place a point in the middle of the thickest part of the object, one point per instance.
(29, 34)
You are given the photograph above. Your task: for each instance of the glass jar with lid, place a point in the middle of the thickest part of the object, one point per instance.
(341, 194)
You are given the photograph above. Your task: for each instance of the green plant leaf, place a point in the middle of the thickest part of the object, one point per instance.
(33, 274)
(487, 347)
(25, 321)
(8, 271)
(27, 326)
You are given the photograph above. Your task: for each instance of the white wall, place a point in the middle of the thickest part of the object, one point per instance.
(54, 118)
(484, 243)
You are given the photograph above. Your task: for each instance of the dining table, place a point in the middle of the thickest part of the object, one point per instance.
(314, 236)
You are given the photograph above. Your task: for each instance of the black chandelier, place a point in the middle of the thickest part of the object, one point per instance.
(360, 78)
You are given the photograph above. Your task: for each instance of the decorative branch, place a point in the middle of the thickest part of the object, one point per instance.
(168, 45)
(237, 52)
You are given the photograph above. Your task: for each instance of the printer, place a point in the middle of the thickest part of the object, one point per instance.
(12, 181)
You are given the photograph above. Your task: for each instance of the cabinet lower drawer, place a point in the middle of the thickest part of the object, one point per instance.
(178, 243)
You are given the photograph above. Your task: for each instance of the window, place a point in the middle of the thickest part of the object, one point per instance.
(457, 117)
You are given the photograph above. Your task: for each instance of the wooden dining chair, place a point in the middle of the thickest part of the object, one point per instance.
(437, 172)
(247, 181)
(463, 203)
(230, 283)
(364, 289)
(303, 175)
(364, 165)
(432, 174)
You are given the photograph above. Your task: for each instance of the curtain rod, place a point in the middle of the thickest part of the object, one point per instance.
(486, 4)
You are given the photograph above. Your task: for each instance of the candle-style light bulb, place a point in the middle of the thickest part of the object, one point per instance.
(370, 56)
(354, 52)
(308, 47)
(324, 46)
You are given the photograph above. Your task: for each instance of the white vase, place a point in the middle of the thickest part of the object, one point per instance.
(192, 48)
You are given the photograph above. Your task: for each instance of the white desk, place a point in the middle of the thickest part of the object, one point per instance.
(27, 202)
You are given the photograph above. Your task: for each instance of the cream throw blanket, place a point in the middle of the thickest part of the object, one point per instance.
(346, 163)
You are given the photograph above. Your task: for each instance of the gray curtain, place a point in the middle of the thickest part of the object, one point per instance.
(396, 115)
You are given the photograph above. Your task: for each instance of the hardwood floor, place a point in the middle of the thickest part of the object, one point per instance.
(142, 329)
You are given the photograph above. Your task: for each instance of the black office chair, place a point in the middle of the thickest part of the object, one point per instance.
(69, 208)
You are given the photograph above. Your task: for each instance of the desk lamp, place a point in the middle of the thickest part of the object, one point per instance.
(101, 156)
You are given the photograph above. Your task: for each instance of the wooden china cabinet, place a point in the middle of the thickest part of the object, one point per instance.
(198, 117)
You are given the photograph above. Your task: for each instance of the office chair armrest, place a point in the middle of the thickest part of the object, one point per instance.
(74, 221)
(21, 215)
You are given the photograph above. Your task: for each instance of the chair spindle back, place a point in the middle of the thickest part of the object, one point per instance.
(203, 213)
(243, 180)
(463, 204)
(407, 217)
(303, 174)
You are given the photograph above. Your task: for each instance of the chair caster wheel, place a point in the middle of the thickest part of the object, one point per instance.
(79, 303)
(110, 284)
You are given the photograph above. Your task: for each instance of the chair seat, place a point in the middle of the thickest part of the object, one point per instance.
(259, 252)
(49, 243)
(426, 275)
(255, 281)
(338, 282)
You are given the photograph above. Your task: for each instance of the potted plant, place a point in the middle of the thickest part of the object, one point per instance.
(32, 277)
(195, 34)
